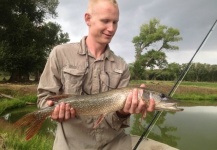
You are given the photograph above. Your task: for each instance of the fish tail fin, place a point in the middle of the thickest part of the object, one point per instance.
(25, 120)
(34, 122)
(34, 128)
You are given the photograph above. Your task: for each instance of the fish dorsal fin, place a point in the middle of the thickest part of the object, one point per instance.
(59, 97)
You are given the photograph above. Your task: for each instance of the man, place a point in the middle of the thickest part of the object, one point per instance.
(90, 67)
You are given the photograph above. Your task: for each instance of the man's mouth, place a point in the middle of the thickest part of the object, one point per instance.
(108, 35)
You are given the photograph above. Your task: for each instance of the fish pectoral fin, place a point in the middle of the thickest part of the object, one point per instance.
(99, 120)
(142, 117)
(144, 113)
(140, 94)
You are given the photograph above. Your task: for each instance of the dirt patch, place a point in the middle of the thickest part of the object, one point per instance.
(11, 89)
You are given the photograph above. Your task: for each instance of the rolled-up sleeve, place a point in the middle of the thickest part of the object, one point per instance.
(117, 122)
(50, 82)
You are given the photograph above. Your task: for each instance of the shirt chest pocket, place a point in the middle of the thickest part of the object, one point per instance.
(72, 80)
(110, 79)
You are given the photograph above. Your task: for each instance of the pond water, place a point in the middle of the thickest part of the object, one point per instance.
(193, 129)
(196, 128)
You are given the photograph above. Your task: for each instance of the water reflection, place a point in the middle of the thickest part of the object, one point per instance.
(15, 114)
(193, 129)
(162, 133)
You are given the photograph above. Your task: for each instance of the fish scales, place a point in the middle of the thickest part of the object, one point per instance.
(97, 104)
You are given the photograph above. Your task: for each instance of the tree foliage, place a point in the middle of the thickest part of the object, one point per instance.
(25, 37)
(154, 38)
(153, 59)
(201, 72)
(157, 36)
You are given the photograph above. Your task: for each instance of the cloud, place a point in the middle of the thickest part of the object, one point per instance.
(193, 18)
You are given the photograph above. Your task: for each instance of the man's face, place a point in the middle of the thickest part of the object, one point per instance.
(103, 22)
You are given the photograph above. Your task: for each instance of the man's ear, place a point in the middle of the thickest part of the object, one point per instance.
(87, 18)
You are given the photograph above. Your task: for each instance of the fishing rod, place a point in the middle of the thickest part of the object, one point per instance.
(172, 91)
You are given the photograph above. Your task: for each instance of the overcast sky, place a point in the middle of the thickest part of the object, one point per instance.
(193, 18)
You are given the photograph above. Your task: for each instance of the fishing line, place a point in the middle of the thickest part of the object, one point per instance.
(172, 91)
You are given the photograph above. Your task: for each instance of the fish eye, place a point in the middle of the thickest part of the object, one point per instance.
(163, 96)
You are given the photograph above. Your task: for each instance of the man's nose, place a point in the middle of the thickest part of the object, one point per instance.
(111, 27)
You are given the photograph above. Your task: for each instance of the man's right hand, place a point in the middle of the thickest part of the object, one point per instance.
(62, 111)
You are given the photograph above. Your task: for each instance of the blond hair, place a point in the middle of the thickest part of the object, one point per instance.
(91, 3)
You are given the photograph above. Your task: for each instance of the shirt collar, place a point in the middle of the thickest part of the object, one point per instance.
(83, 50)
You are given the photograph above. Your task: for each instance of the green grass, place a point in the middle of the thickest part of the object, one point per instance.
(196, 97)
(200, 84)
(184, 83)
(36, 143)
(13, 140)
(198, 93)
(28, 98)
(8, 104)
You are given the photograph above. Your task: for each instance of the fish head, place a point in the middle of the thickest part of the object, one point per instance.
(162, 101)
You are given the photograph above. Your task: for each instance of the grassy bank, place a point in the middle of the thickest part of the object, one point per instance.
(12, 139)
(9, 104)
(16, 96)
(197, 93)
(12, 97)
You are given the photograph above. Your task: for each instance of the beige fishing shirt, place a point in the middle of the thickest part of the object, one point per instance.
(72, 69)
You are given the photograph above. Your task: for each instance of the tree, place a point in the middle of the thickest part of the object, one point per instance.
(25, 38)
(174, 69)
(153, 59)
(137, 71)
(213, 73)
(154, 34)
(154, 38)
(52, 35)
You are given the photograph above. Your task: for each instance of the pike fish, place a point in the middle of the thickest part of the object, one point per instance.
(93, 105)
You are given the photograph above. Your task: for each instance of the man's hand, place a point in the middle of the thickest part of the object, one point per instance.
(62, 111)
(135, 106)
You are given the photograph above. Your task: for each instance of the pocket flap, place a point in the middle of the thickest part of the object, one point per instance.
(72, 71)
(118, 71)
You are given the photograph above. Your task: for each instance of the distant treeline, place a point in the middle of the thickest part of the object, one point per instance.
(197, 72)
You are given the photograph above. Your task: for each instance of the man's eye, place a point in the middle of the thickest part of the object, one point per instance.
(115, 22)
(105, 21)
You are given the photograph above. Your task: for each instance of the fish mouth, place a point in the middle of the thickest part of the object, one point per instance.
(168, 107)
